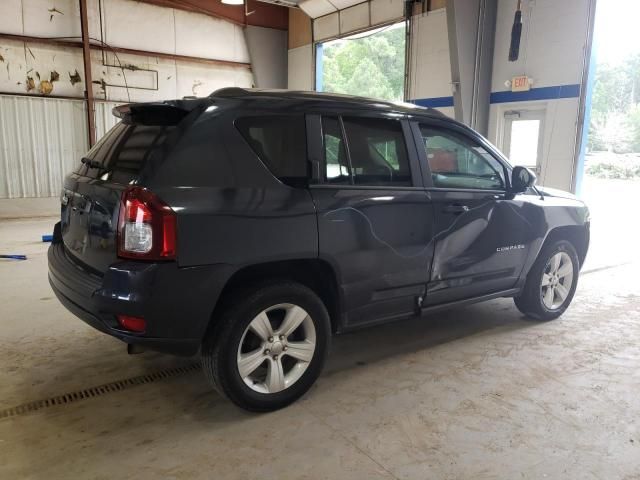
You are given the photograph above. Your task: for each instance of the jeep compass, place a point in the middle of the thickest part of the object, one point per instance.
(252, 225)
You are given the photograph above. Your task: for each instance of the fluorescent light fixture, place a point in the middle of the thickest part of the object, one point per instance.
(233, 2)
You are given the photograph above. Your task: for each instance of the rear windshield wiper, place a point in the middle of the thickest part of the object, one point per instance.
(91, 163)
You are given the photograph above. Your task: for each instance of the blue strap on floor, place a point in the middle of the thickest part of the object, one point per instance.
(14, 257)
(47, 238)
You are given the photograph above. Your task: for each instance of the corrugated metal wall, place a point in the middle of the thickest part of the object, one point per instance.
(41, 140)
(104, 118)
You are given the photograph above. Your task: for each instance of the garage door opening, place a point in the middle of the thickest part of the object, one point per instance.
(611, 177)
(368, 64)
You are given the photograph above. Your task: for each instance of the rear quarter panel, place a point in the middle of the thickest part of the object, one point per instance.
(230, 208)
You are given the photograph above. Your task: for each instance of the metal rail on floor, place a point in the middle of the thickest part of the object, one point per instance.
(98, 391)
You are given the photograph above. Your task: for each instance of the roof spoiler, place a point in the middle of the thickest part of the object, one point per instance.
(157, 113)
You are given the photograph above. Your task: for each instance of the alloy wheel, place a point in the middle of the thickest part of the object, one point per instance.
(557, 280)
(276, 348)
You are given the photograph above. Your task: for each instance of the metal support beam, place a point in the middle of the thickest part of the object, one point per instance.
(584, 110)
(88, 82)
(129, 51)
(471, 30)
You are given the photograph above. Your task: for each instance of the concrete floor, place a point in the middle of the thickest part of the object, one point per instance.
(475, 393)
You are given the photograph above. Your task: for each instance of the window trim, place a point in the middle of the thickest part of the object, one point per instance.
(456, 131)
(315, 145)
(347, 150)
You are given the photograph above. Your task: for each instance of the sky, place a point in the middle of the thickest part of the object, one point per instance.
(617, 30)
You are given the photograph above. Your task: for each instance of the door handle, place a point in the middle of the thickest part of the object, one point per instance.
(455, 208)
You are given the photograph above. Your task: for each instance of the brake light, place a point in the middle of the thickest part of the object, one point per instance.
(134, 324)
(147, 226)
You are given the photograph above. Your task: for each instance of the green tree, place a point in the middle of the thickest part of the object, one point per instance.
(371, 66)
(615, 123)
(633, 125)
(367, 80)
(615, 120)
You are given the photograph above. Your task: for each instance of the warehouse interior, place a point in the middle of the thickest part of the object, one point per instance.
(475, 392)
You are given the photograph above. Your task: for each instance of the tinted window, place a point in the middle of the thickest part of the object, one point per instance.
(124, 150)
(335, 156)
(458, 162)
(377, 151)
(138, 144)
(280, 142)
(101, 149)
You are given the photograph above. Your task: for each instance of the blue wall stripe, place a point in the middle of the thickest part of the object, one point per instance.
(436, 102)
(543, 93)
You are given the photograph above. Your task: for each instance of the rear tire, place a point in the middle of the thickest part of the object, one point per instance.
(268, 347)
(551, 282)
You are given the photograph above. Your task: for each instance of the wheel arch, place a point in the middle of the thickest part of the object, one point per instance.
(314, 273)
(577, 235)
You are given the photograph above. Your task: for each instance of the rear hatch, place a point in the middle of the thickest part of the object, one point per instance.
(92, 194)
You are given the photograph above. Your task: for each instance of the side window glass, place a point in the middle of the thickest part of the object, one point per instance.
(280, 143)
(102, 149)
(138, 144)
(457, 162)
(335, 156)
(378, 151)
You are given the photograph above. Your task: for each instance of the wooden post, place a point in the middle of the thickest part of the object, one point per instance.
(88, 83)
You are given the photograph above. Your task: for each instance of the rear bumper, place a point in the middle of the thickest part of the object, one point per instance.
(176, 303)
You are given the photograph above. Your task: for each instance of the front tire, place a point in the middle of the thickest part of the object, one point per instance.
(551, 282)
(269, 346)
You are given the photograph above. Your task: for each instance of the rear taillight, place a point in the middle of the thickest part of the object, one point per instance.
(147, 226)
(134, 324)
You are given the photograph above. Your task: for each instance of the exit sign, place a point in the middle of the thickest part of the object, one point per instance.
(520, 84)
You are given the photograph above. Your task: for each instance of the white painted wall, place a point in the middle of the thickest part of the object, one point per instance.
(552, 46)
(301, 68)
(552, 52)
(126, 24)
(430, 72)
(268, 52)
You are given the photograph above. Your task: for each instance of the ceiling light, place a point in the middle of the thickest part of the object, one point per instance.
(233, 2)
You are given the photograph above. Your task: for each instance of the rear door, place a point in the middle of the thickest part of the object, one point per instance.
(482, 235)
(91, 195)
(375, 219)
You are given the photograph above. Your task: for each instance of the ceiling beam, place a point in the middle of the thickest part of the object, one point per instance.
(264, 14)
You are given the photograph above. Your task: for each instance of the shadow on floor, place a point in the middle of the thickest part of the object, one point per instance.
(349, 351)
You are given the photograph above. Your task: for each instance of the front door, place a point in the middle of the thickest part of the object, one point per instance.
(375, 219)
(482, 235)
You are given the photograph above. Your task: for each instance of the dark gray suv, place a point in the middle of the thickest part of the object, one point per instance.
(251, 225)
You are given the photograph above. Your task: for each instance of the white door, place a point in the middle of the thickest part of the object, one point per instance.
(523, 138)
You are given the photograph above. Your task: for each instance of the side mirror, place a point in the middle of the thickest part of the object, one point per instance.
(521, 179)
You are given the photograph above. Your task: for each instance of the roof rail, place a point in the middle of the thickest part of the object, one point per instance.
(230, 92)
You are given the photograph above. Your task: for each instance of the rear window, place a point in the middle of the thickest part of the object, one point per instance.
(280, 142)
(123, 151)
